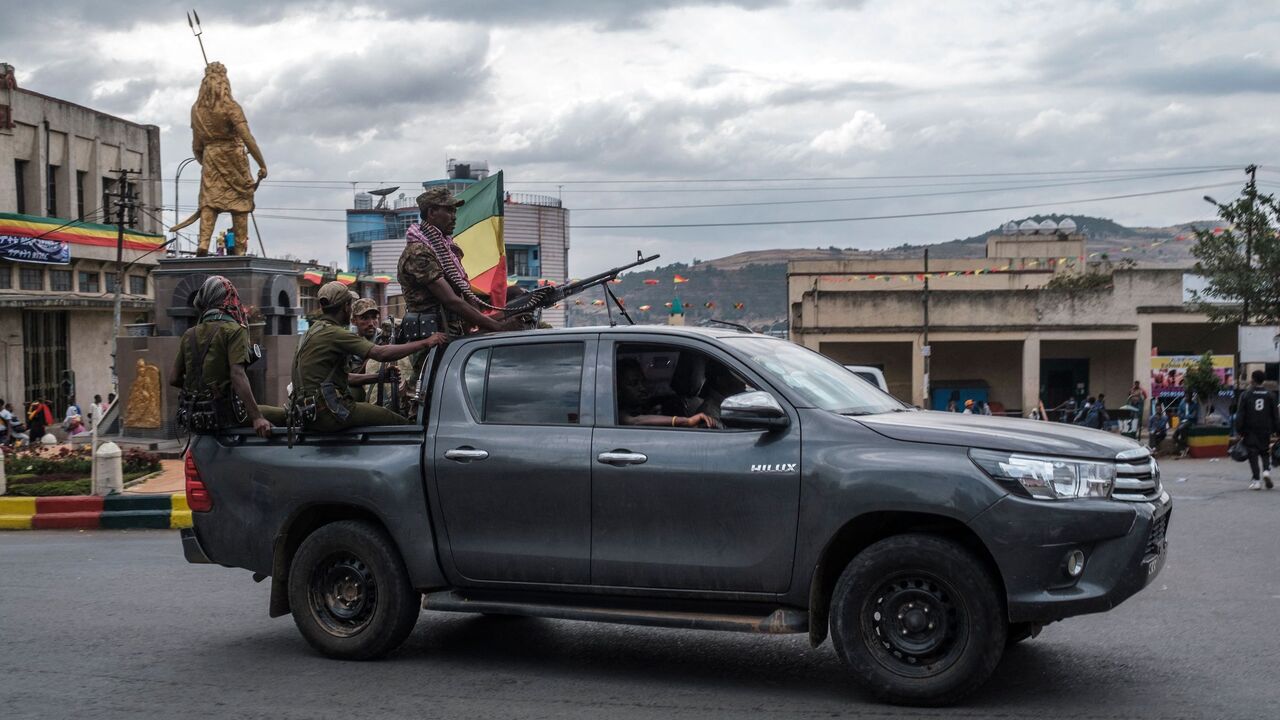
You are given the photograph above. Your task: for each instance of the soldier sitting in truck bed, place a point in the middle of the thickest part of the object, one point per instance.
(320, 390)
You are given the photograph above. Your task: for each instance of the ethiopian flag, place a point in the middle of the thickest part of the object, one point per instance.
(479, 233)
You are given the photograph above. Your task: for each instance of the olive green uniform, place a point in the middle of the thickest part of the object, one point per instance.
(228, 342)
(322, 358)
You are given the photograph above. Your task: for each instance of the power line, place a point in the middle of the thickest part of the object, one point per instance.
(896, 197)
(899, 215)
(921, 176)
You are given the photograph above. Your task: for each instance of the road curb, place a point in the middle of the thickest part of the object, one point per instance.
(85, 512)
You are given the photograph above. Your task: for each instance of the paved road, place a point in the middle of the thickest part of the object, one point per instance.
(115, 624)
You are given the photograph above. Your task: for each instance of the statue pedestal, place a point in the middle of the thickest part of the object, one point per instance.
(269, 290)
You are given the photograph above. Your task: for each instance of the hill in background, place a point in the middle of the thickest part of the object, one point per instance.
(758, 278)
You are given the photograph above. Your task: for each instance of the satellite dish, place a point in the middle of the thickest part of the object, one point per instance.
(1029, 227)
(1067, 226)
(1010, 228)
(1048, 227)
(382, 193)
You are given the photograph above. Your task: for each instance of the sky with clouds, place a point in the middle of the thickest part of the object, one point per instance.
(798, 92)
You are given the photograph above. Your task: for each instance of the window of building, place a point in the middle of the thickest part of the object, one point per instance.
(31, 278)
(518, 261)
(51, 192)
(526, 384)
(89, 282)
(60, 280)
(20, 177)
(80, 176)
(6, 277)
(110, 281)
(137, 285)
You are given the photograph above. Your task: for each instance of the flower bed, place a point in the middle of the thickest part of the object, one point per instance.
(41, 472)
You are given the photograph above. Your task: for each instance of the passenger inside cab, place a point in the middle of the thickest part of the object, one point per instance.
(666, 386)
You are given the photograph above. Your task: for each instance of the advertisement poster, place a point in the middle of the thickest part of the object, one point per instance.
(26, 249)
(1167, 372)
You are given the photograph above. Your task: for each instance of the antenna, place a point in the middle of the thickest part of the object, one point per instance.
(197, 31)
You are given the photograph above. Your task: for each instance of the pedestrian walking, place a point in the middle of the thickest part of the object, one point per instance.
(1256, 422)
(39, 417)
(968, 407)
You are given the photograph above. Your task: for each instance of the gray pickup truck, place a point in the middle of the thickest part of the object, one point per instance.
(922, 542)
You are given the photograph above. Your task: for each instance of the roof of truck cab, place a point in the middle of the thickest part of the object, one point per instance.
(678, 330)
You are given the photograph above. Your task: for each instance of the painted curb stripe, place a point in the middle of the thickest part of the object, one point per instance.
(88, 512)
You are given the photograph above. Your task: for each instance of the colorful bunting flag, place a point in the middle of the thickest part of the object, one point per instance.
(346, 278)
(645, 308)
(651, 281)
(710, 305)
(739, 306)
(597, 302)
(314, 277)
(679, 279)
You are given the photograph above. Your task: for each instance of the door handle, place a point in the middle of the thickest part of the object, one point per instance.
(619, 458)
(465, 454)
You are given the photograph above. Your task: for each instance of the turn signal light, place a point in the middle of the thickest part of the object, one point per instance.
(198, 498)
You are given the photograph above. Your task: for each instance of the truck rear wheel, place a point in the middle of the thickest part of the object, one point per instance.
(918, 619)
(350, 594)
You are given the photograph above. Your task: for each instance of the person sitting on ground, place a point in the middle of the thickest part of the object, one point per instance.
(634, 405)
(75, 426)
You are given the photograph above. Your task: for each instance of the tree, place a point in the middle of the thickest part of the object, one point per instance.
(1200, 378)
(1240, 261)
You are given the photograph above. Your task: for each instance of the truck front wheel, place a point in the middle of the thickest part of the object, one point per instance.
(350, 594)
(918, 619)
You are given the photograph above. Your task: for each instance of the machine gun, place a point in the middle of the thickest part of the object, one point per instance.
(545, 297)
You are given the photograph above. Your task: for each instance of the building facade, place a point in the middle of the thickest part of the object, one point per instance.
(58, 188)
(535, 233)
(997, 329)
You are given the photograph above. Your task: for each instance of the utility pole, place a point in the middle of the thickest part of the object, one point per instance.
(1251, 192)
(925, 349)
(124, 201)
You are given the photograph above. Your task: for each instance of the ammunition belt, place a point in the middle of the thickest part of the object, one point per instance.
(201, 412)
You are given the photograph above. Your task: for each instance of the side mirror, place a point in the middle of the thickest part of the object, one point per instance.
(756, 409)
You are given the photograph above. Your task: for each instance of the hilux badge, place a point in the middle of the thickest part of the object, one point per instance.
(779, 468)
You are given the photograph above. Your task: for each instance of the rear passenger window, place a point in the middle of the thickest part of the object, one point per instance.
(537, 384)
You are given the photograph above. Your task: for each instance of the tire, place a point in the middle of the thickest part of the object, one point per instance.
(349, 591)
(919, 620)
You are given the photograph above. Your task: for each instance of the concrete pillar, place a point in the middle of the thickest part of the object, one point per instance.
(4, 484)
(1142, 354)
(917, 374)
(1030, 372)
(108, 469)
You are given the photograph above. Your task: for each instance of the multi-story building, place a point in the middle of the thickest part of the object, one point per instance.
(59, 182)
(535, 232)
(998, 327)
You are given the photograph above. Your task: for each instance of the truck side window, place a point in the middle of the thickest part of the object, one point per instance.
(656, 383)
(539, 384)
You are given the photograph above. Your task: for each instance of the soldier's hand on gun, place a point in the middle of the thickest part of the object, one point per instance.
(262, 427)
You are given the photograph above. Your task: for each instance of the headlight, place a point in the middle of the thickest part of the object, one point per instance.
(1048, 478)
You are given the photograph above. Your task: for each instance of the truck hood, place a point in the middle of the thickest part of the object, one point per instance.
(998, 433)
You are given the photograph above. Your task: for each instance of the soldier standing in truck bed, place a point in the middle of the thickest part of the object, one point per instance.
(210, 366)
(321, 393)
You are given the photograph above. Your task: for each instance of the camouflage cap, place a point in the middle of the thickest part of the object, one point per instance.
(362, 306)
(334, 294)
(438, 196)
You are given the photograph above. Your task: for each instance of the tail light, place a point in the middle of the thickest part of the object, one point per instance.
(198, 498)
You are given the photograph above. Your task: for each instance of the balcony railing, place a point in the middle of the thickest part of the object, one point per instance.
(532, 199)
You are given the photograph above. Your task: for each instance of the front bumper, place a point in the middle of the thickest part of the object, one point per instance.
(1124, 543)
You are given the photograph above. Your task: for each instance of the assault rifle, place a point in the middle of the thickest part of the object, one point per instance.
(549, 295)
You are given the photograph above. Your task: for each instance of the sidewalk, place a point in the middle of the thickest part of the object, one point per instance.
(172, 479)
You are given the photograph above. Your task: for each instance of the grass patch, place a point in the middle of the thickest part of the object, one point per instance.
(34, 486)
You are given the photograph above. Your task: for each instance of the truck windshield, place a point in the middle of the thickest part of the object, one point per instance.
(819, 380)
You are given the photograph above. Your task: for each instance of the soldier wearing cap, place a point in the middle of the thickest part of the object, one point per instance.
(321, 394)
(365, 315)
(431, 274)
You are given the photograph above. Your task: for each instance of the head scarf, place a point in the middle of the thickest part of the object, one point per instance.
(218, 296)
